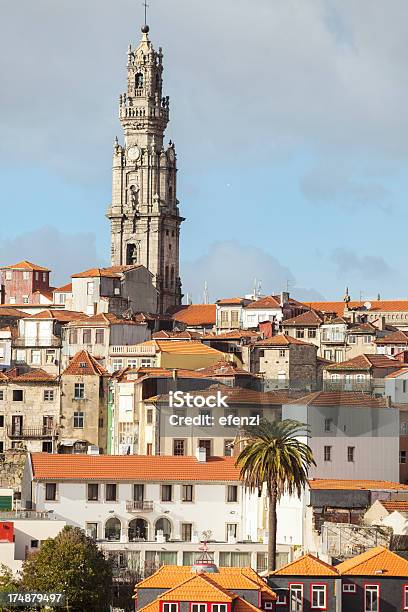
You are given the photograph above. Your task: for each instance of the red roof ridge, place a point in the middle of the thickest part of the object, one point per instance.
(89, 367)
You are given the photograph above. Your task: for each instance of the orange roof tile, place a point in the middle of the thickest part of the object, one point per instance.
(310, 318)
(176, 335)
(233, 300)
(268, 301)
(147, 372)
(64, 289)
(26, 265)
(396, 337)
(326, 484)
(36, 375)
(64, 316)
(198, 587)
(103, 318)
(400, 372)
(6, 311)
(236, 334)
(184, 347)
(365, 362)
(376, 306)
(194, 314)
(308, 565)
(223, 369)
(133, 467)
(281, 340)
(340, 398)
(83, 364)
(378, 561)
(111, 272)
(396, 505)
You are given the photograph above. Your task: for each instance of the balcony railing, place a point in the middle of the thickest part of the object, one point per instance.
(134, 349)
(333, 338)
(139, 506)
(32, 432)
(38, 342)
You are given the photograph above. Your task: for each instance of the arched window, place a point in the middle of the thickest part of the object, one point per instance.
(137, 530)
(170, 193)
(113, 529)
(172, 276)
(166, 276)
(139, 80)
(164, 526)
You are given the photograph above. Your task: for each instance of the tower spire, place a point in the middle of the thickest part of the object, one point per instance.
(145, 28)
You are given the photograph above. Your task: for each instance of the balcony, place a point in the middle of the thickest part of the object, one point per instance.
(135, 349)
(334, 338)
(31, 433)
(139, 506)
(37, 342)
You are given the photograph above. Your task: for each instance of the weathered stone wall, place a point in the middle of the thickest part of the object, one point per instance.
(11, 469)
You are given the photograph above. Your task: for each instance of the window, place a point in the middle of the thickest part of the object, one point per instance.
(79, 419)
(90, 288)
(2, 351)
(99, 336)
(311, 333)
(110, 492)
(93, 491)
(232, 531)
(86, 336)
(48, 395)
(149, 448)
(198, 607)
(1, 420)
(367, 339)
(328, 424)
(227, 447)
(170, 607)
(235, 559)
(219, 608)
(17, 395)
(149, 416)
(405, 596)
(349, 588)
(234, 318)
(166, 493)
(282, 595)
(50, 491)
(138, 492)
(186, 532)
(49, 356)
(132, 363)
(282, 353)
(327, 453)
(47, 447)
(145, 362)
(187, 493)
(179, 447)
(350, 454)
(34, 543)
(318, 596)
(230, 414)
(117, 364)
(73, 336)
(25, 299)
(352, 339)
(44, 276)
(232, 493)
(91, 530)
(79, 391)
(36, 357)
(224, 316)
(296, 597)
(300, 333)
(371, 598)
(1, 395)
(26, 275)
(403, 456)
(9, 275)
(139, 85)
(12, 299)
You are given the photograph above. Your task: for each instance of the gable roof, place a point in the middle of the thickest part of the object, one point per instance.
(236, 334)
(365, 362)
(36, 375)
(176, 335)
(307, 565)
(182, 346)
(341, 398)
(234, 300)
(64, 289)
(281, 340)
(397, 373)
(65, 316)
(198, 587)
(225, 368)
(311, 318)
(103, 318)
(266, 302)
(154, 468)
(6, 311)
(83, 364)
(194, 314)
(396, 337)
(395, 505)
(26, 265)
(377, 561)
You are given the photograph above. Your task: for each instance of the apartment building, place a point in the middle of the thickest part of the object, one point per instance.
(194, 317)
(20, 282)
(362, 373)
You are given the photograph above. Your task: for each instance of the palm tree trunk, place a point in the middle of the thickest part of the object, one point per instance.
(272, 524)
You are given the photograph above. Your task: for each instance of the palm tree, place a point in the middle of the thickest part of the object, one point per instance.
(273, 456)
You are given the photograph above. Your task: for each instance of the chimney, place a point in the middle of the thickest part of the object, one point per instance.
(381, 323)
(201, 455)
(284, 297)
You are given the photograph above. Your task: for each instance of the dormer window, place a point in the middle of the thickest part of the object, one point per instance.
(82, 364)
(139, 80)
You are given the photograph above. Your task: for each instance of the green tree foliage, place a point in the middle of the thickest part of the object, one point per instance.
(8, 583)
(274, 457)
(71, 562)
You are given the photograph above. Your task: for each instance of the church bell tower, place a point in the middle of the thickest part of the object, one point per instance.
(144, 213)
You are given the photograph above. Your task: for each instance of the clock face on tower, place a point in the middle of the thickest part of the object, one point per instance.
(133, 153)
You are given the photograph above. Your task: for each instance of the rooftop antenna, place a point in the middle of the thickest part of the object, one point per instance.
(146, 6)
(255, 288)
(287, 285)
(206, 296)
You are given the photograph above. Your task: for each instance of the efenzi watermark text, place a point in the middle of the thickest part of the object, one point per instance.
(179, 399)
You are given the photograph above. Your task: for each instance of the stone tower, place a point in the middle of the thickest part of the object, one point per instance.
(144, 214)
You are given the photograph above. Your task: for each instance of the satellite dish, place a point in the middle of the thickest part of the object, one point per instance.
(367, 305)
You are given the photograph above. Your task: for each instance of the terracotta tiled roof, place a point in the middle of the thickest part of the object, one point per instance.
(198, 587)
(400, 372)
(328, 484)
(281, 340)
(64, 289)
(310, 318)
(65, 316)
(6, 311)
(83, 364)
(308, 565)
(128, 374)
(176, 335)
(133, 468)
(37, 375)
(263, 303)
(377, 562)
(341, 398)
(397, 337)
(396, 505)
(223, 369)
(233, 300)
(376, 306)
(236, 334)
(111, 272)
(180, 346)
(103, 318)
(365, 362)
(26, 265)
(194, 314)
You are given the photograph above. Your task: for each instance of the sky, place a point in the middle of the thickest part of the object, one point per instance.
(290, 120)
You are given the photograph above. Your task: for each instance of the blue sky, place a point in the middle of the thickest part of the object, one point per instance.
(289, 118)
